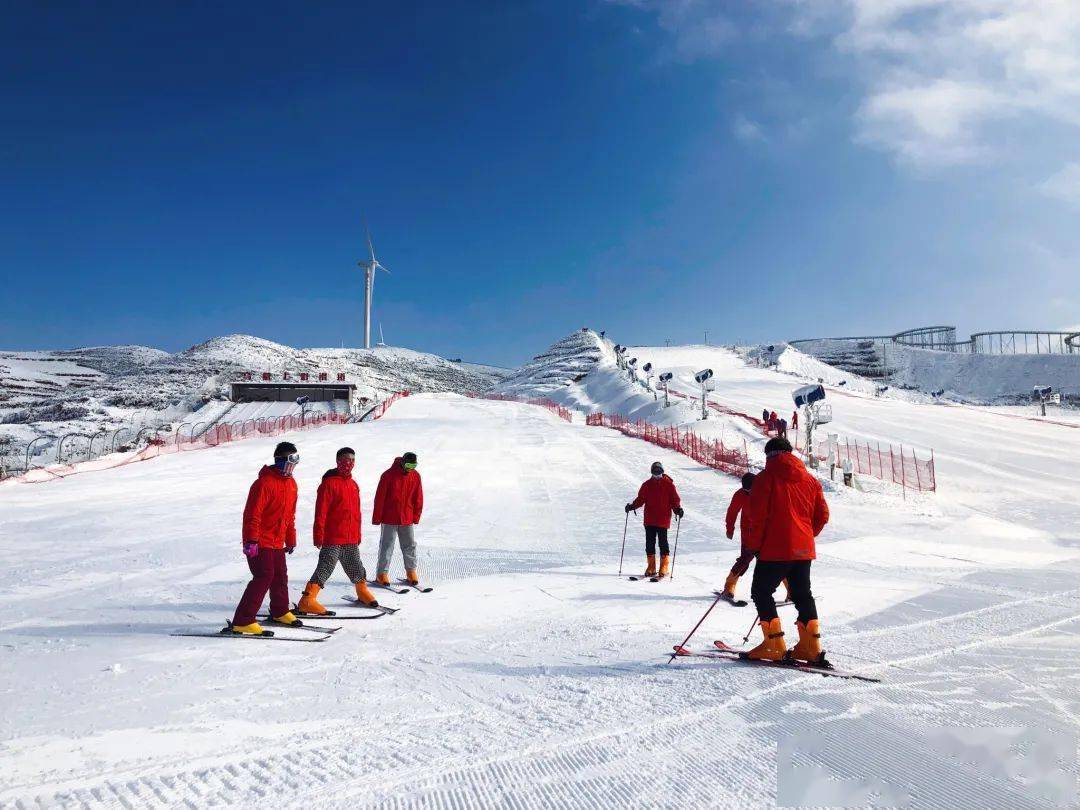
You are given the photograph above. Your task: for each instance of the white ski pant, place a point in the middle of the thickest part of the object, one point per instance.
(405, 537)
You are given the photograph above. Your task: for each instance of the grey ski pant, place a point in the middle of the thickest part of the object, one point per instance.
(330, 556)
(405, 536)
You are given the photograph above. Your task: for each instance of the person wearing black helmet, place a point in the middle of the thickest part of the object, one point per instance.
(661, 500)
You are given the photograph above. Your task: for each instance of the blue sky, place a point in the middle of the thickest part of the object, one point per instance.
(172, 172)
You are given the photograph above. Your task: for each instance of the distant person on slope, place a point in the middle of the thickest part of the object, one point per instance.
(336, 533)
(399, 500)
(795, 420)
(661, 500)
(740, 503)
(787, 511)
(269, 534)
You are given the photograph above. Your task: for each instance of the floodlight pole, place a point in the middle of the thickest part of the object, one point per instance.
(704, 408)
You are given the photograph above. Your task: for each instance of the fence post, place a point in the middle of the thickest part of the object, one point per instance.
(903, 472)
(918, 478)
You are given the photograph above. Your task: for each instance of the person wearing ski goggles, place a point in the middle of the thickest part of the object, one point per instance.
(269, 534)
(399, 500)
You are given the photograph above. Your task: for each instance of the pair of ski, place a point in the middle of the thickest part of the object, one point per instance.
(722, 652)
(650, 577)
(321, 633)
(399, 591)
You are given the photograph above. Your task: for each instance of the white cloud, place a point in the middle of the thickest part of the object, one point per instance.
(1064, 185)
(747, 130)
(941, 76)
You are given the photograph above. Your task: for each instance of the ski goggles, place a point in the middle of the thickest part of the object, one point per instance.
(409, 465)
(286, 464)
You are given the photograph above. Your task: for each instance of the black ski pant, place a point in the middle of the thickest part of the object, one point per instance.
(769, 575)
(652, 534)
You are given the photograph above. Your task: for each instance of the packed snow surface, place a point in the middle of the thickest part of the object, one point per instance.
(533, 676)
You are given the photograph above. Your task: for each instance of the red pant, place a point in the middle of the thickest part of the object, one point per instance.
(268, 573)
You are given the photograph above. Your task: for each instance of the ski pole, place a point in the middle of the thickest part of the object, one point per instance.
(746, 638)
(621, 553)
(675, 548)
(696, 626)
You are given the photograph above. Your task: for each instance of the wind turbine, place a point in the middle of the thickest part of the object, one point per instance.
(369, 267)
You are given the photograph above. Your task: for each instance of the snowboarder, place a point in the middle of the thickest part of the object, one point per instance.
(661, 500)
(774, 422)
(740, 502)
(269, 534)
(336, 533)
(399, 500)
(787, 511)
(782, 429)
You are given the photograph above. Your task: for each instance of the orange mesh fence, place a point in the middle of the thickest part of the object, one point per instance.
(554, 407)
(710, 452)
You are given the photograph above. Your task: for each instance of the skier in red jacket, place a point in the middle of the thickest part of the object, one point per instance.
(661, 499)
(336, 534)
(269, 534)
(740, 503)
(399, 500)
(787, 511)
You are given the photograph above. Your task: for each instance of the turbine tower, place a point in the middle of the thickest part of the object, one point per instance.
(369, 267)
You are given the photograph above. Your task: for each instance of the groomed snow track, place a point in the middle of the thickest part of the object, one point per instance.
(532, 677)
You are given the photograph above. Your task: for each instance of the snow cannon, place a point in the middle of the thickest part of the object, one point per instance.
(647, 368)
(664, 379)
(1041, 392)
(702, 378)
(632, 362)
(808, 395)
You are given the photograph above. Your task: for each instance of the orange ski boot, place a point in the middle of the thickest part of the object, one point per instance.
(411, 577)
(383, 579)
(729, 585)
(309, 602)
(364, 596)
(809, 646)
(773, 647)
(650, 569)
(665, 566)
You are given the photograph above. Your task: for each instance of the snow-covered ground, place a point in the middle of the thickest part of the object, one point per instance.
(533, 676)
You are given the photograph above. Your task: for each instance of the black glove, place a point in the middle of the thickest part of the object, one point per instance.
(290, 549)
(629, 508)
(679, 511)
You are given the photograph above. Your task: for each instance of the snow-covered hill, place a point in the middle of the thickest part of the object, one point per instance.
(87, 390)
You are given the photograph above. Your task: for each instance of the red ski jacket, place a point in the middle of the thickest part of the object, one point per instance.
(787, 511)
(337, 511)
(660, 498)
(399, 499)
(740, 502)
(270, 512)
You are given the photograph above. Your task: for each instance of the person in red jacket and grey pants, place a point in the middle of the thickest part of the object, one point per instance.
(399, 500)
(787, 511)
(269, 534)
(336, 533)
(661, 499)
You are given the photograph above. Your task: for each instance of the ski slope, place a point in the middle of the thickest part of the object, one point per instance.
(533, 676)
